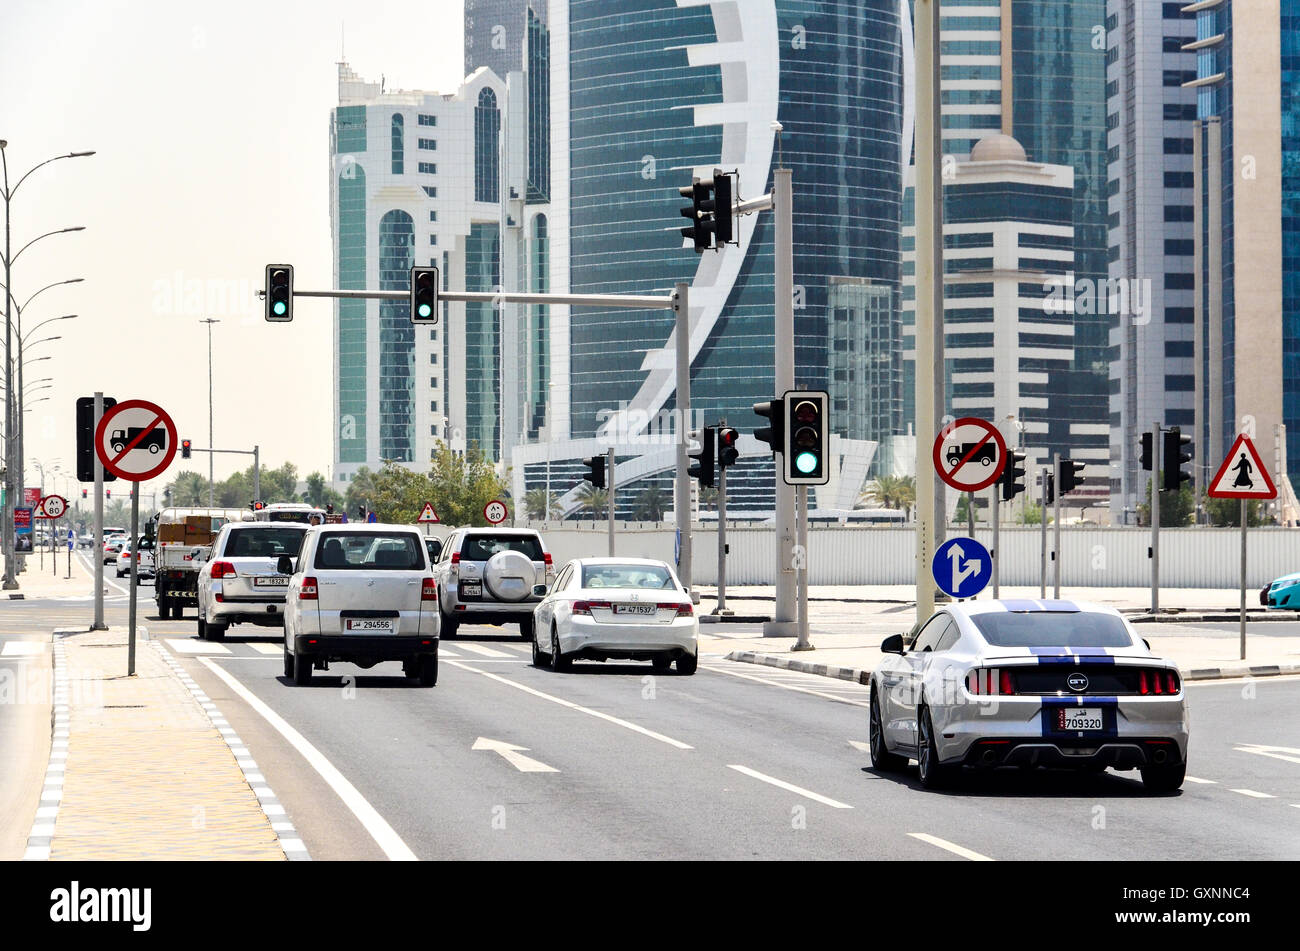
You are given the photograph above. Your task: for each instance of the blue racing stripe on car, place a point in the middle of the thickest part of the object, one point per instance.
(1066, 656)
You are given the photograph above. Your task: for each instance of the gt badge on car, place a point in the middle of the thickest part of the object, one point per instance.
(1077, 682)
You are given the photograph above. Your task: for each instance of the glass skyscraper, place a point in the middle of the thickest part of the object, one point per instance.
(656, 90)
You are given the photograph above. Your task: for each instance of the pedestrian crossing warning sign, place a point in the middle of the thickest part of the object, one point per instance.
(428, 514)
(1242, 475)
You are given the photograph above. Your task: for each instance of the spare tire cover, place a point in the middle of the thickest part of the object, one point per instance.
(509, 576)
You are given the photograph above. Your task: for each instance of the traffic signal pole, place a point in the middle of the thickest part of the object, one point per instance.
(609, 468)
(1056, 534)
(98, 551)
(1155, 517)
(722, 537)
(785, 620)
(681, 310)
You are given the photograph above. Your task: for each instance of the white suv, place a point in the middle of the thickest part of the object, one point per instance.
(486, 576)
(240, 583)
(360, 594)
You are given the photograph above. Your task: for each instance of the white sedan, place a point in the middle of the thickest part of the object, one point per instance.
(622, 608)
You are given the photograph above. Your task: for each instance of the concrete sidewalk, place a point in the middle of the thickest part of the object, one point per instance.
(145, 767)
(40, 581)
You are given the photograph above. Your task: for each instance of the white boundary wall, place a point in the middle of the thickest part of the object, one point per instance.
(848, 555)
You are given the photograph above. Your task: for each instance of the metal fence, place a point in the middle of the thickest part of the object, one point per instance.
(851, 555)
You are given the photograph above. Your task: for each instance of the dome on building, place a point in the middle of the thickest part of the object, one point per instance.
(998, 148)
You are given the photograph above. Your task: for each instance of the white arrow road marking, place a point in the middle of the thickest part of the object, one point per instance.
(789, 787)
(1277, 752)
(952, 847)
(383, 834)
(513, 755)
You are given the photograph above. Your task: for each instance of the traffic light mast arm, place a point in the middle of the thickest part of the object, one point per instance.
(630, 302)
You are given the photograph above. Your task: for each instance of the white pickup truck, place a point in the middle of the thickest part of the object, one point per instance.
(183, 539)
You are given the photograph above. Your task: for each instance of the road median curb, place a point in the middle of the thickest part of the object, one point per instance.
(857, 675)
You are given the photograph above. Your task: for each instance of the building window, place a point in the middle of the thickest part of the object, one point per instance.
(399, 144)
(487, 134)
(433, 216)
(428, 120)
(428, 168)
(433, 239)
(430, 190)
(429, 145)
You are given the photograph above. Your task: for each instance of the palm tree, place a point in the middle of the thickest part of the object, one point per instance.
(540, 504)
(650, 505)
(709, 497)
(594, 500)
(190, 489)
(891, 492)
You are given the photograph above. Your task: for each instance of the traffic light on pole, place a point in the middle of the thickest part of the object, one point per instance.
(728, 453)
(108, 493)
(774, 433)
(1012, 479)
(698, 193)
(1177, 453)
(1049, 489)
(1070, 475)
(1146, 451)
(279, 292)
(710, 212)
(702, 469)
(86, 423)
(424, 295)
(85, 493)
(186, 446)
(807, 438)
(595, 471)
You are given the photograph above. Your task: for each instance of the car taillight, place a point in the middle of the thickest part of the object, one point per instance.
(222, 569)
(1171, 680)
(584, 607)
(428, 590)
(455, 558)
(683, 610)
(1159, 683)
(1144, 687)
(308, 590)
(546, 557)
(990, 681)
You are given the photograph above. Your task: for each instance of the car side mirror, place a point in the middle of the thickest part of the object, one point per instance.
(539, 591)
(284, 565)
(435, 551)
(892, 644)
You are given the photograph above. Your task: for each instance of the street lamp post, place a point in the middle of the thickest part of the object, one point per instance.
(211, 455)
(12, 410)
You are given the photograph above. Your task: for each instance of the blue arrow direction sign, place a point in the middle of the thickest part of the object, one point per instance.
(962, 567)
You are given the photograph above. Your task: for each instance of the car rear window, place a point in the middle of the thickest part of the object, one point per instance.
(1052, 629)
(371, 551)
(626, 576)
(483, 547)
(264, 542)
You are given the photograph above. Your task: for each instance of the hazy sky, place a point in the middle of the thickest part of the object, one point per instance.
(211, 124)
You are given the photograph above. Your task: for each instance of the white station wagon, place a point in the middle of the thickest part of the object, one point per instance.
(360, 594)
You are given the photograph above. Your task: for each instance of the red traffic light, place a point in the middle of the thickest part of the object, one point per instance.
(728, 452)
(186, 446)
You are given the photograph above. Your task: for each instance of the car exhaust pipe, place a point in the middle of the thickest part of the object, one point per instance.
(990, 757)
(1159, 756)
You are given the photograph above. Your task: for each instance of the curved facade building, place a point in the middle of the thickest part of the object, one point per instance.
(659, 90)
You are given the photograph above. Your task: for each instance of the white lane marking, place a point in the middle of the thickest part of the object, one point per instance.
(482, 651)
(1237, 681)
(789, 787)
(384, 835)
(952, 847)
(1204, 782)
(263, 648)
(1254, 795)
(186, 646)
(776, 683)
(574, 706)
(446, 654)
(22, 649)
(513, 755)
(1276, 752)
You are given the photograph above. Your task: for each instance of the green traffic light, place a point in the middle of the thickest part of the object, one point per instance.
(425, 310)
(279, 307)
(806, 462)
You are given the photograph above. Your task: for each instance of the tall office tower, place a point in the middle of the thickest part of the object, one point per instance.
(417, 178)
(1150, 295)
(646, 95)
(496, 33)
(1247, 89)
(1008, 233)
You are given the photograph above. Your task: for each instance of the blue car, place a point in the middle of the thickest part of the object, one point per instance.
(1282, 594)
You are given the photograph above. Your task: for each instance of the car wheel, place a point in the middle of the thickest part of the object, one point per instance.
(288, 664)
(687, 664)
(540, 657)
(933, 774)
(526, 629)
(216, 632)
(1163, 779)
(662, 662)
(450, 626)
(428, 667)
(302, 665)
(203, 629)
(559, 663)
(881, 758)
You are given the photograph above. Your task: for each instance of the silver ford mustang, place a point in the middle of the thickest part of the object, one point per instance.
(1028, 683)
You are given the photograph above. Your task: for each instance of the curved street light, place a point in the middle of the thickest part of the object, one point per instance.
(47, 234)
(23, 342)
(13, 421)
